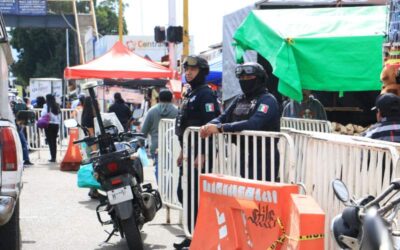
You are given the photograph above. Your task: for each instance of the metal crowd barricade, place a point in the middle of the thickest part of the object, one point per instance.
(366, 166)
(36, 137)
(314, 159)
(168, 171)
(306, 124)
(224, 158)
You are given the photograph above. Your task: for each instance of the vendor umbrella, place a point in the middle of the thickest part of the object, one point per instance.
(118, 63)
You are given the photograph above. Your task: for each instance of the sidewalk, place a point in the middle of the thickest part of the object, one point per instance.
(56, 214)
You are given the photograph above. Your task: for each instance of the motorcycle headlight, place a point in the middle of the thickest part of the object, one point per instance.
(340, 228)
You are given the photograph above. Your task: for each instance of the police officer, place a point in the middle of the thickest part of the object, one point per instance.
(199, 106)
(255, 109)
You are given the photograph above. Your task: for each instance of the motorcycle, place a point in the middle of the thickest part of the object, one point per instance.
(118, 168)
(368, 223)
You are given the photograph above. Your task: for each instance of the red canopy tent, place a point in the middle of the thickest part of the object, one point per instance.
(118, 63)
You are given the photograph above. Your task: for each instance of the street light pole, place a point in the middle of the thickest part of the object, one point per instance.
(185, 29)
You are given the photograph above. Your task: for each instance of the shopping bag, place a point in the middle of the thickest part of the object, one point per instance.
(43, 121)
(86, 178)
(143, 157)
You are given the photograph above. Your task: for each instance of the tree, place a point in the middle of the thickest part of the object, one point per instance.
(42, 51)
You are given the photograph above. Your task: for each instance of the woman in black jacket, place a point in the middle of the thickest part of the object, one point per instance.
(87, 120)
(88, 115)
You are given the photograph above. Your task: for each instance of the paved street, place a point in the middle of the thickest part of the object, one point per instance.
(56, 214)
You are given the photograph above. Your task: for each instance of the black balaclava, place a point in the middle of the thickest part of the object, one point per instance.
(252, 87)
(199, 80)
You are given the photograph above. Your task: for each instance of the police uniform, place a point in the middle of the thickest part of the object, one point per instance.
(258, 113)
(256, 109)
(199, 106)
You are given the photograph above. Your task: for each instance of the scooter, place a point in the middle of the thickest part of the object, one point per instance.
(367, 223)
(128, 202)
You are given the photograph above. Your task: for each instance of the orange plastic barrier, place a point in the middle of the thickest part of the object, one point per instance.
(306, 223)
(72, 159)
(236, 213)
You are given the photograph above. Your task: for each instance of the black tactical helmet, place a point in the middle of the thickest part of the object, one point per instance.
(251, 69)
(197, 61)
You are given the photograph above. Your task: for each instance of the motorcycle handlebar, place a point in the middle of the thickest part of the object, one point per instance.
(380, 197)
(394, 185)
(131, 134)
(86, 139)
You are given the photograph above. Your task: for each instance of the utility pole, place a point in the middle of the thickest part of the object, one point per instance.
(93, 11)
(120, 21)
(185, 29)
(172, 22)
(81, 52)
(65, 82)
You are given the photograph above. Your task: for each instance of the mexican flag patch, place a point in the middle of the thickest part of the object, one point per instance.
(263, 108)
(210, 107)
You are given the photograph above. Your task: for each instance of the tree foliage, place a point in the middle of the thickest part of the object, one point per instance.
(42, 52)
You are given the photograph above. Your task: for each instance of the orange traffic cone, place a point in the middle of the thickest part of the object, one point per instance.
(73, 158)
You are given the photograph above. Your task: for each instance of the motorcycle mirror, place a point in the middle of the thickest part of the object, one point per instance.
(340, 190)
(71, 123)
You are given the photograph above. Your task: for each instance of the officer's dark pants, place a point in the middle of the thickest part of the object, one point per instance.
(190, 188)
(189, 197)
(251, 159)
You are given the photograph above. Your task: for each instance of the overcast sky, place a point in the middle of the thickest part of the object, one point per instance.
(205, 18)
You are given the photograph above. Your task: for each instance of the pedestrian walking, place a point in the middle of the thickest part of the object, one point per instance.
(162, 110)
(52, 109)
(122, 110)
(40, 102)
(21, 124)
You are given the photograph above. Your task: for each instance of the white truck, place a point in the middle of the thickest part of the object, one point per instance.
(11, 162)
(11, 166)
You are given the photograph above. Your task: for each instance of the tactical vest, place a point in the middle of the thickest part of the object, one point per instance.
(244, 109)
(182, 120)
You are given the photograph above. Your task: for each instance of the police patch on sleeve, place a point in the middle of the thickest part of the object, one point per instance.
(263, 108)
(210, 107)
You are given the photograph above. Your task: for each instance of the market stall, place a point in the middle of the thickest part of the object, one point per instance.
(326, 49)
(123, 68)
(118, 63)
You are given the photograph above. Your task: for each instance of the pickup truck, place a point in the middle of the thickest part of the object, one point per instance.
(11, 167)
(11, 162)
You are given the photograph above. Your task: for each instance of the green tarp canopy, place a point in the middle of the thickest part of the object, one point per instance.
(326, 49)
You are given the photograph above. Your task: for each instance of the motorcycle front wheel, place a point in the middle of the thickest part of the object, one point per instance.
(132, 234)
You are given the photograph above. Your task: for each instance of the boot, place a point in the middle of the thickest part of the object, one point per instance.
(185, 244)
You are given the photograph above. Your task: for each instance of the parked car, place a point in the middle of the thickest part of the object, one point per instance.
(11, 167)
